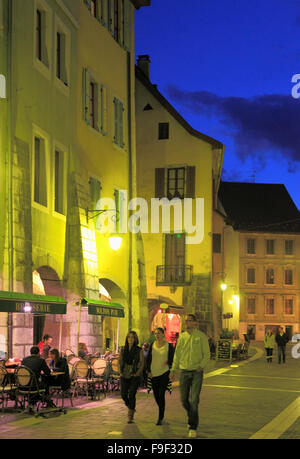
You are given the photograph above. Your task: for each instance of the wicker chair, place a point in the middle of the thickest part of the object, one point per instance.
(99, 372)
(7, 389)
(82, 381)
(28, 388)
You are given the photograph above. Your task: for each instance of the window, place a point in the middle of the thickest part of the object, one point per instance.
(62, 53)
(270, 246)
(251, 303)
(39, 34)
(40, 172)
(59, 182)
(289, 247)
(174, 256)
(251, 246)
(251, 275)
(94, 8)
(288, 277)
(270, 306)
(42, 38)
(94, 102)
(163, 131)
(117, 214)
(119, 122)
(175, 183)
(217, 243)
(270, 276)
(288, 306)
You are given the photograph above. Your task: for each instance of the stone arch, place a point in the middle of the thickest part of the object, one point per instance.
(46, 281)
(110, 326)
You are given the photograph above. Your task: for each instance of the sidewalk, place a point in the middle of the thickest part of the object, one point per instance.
(81, 404)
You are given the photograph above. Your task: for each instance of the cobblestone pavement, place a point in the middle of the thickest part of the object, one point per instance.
(236, 402)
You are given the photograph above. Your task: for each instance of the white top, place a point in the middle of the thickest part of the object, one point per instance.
(159, 364)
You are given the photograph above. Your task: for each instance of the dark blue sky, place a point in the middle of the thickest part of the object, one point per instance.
(227, 66)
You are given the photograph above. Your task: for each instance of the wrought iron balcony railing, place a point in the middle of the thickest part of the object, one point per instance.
(174, 275)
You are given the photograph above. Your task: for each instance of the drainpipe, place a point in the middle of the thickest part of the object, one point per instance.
(130, 191)
(10, 175)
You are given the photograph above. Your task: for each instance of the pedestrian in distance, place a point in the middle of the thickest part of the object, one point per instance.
(158, 364)
(281, 340)
(269, 342)
(191, 356)
(131, 364)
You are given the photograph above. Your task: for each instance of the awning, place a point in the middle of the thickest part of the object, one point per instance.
(103, 308)
(30, 303)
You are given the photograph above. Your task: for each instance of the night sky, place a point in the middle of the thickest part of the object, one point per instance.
(227, 67)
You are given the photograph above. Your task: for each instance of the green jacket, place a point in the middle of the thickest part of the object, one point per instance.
(269, 341)
(192, 351)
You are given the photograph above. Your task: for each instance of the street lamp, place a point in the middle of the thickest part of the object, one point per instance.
(115, 242)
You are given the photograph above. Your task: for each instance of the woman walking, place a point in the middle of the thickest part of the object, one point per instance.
(131, 363)
(159, 362)
(269, 344)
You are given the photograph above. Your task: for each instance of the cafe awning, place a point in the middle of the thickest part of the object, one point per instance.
(31, 303)
(103, 308)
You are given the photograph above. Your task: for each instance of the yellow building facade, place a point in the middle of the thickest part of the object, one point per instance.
(67, 140)
(175, 161)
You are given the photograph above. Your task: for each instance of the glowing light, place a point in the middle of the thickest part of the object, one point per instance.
(230, 301)
(171, 316)
(223, 287)
(115, 242)
(27, 307)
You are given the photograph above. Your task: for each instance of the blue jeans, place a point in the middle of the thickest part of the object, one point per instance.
(190, 388)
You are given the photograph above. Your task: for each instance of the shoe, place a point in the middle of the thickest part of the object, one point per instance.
(192, 433)
(50, 404)
(130, 416)
(159, 422)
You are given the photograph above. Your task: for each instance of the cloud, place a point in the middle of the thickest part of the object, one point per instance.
(260, 126)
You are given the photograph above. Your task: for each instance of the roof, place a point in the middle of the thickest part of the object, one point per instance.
(139, 3)
(152, 88)
(259, 207)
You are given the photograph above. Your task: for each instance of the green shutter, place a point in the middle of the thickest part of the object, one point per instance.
(121, 124)
(127, 25)
(117, 215)
(103, 115)
(95, 191)
(190, 182)
(85, 104)
(160, 183)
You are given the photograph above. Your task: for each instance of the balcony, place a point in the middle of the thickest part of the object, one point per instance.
(174, 275)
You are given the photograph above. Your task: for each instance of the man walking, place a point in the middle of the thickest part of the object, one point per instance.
(191, 355)
(281, 340)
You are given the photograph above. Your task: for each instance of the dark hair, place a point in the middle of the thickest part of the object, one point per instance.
(160, 329)
(46, 337)
(136, 340)
(35, 350)
(55, 352)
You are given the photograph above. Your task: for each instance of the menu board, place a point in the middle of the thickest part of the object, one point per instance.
(224, 349)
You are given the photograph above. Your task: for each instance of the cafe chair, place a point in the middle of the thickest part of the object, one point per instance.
(58, 391)
(6, 388)
(114, 375)
(82, 381)
(99, 372)
(28, 388)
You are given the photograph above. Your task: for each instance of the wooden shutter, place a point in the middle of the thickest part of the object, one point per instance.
(95, 191)
(127, 25)
(160, 183)
(190, 182)
(104, 12)
(85, 100)
(121, 124)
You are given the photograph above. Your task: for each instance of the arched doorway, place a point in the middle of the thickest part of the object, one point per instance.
(114, 330)
(45, 281)
(164, 313)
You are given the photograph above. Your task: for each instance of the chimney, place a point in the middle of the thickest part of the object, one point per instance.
(143, 63)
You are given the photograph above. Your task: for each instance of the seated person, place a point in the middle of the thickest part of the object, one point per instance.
(83, 351)
(60, 364)
(47, 341)
(41, 370)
